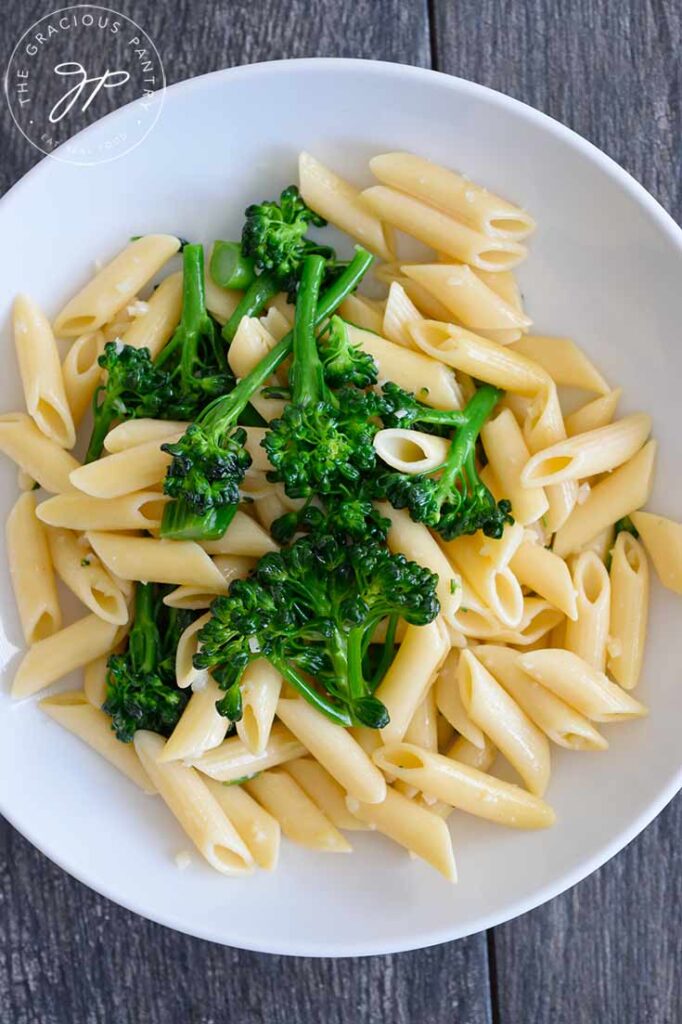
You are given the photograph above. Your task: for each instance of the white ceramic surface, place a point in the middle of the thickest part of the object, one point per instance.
(605, 267)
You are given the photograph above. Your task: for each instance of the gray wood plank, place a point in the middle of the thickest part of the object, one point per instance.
(68, 956)
(609, 950)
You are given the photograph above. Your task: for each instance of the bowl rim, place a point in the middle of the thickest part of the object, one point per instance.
(585, 866)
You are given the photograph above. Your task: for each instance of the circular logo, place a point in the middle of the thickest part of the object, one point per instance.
(74, 66)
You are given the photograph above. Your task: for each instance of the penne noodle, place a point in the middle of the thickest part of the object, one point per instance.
(188, 644)
(261, 686)
(131, 433)
(363, 312)
(597, 413)
(450, 704)
(200, 727)
(558, 721)
(31, 571)
(82, 373)
(72, 711)
(232, 761)
(498, 715)
(155, 328)
(335, 749)
(408, 678)
(115, 285)
(195, 808)
(423, 728)
(62, 652)
(507, 454)
(324, 791)
(142, 510)
(300, 819)
(463, 787)
(41, 373)
(220, 302)
(662, 539)
(585, 455)
(582, 686)
(484, 563)
(400, 312)
(441, 232)
(543, 572)
(617, 495)
(587, 634)
(537, 620)
(454, 193)
(243, 537)
(81, 571)
(469, 300)
(343, 205)
(566, 364)
(232, 567)
(159, 561)
(629, 610)
(134, 469)
(411, 826)
(95, 681)
(411, 451)
(257, 829)
(39, 456)
(250, 345)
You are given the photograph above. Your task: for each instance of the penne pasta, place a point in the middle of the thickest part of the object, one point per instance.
(31, 571)
(41, 373)
(507, 454)
(469, 300)
(95, 681)
(300, 819)
(582, 686)
(244, 537)
(324, 791)
(39, 456)
(585, 455)
(141, 510)
(130, 433)
(188, 644)
(597, 413)
(200, 727)
(662, 539)
(363, 312)
(566, 364)
(257, 829)
(115, 285)
(261, 687)
(83, 574)
(450, 704)
(408, 678)
(55, 656)
(588, 633)
(629, 610)
(82, 373)
(423, 729)
(411, 451)
(73, 711)
(400, 312)
(155, 328)
(232, 761)
(134, 469)
(484, 563)
(160, 561)
(543, 572)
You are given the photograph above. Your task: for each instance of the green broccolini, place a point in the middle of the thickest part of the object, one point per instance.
(311, 610)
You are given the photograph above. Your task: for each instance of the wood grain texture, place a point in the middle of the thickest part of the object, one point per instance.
(610, 950)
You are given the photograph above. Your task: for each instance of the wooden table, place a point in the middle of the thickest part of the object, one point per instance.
(610, 950)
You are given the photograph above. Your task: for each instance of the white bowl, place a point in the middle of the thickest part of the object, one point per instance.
(605, 268)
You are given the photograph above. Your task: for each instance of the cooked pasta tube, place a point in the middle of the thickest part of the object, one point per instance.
(507, 454)
(73, 711)
(232, 567)
(159, 561)
(195, 808)
(325, 792)
(199, 728)
(142, 510)
(505, 285)
(587, 634)
(258, 829)
(188, 644)
(363, 312)
(95, 681)
(220, 302)
(543, 572)
(416, 542)
(411, 451)
(31, 571)
(57, 655)
(260, 686)
(400, 312)
(629, 610)
(567, 365)
(250, 345)
(115, 285)
(155, 327)
(83, 574)
(442, 232)
(597, 413)
(300, 819)
(405, 684)
(131, 433)
(472, 302)
(465, 752)
(454, 193)
(559, 721)
(617, 495)
(243, 537)
(473, 619)
(232, 760)
(41, 373)
(43, 459)
(478, 559)
(342, 204)
(542, 427)
(82, 373)
(466, 788)
(662, 539)
(450, 704)
(411, 826)
(422, 729)
(134, 469)
(335, 749)
(501, 719)
(582, 686)
(598, 451)
(436, 383)
(537, 620)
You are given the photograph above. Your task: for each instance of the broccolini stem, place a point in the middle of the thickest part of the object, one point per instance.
(463, 446)
(143, 642)
(357, 686)
(180, 522)
(443, 417)
(307, 382)
(260, 291)
(335, 714)
(103, 417)
(230, 268)
(194, 319)
(386, 654)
